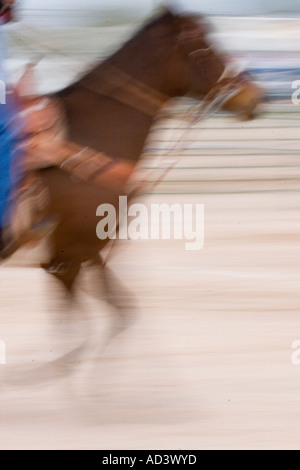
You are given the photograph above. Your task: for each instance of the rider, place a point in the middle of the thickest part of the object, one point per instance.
(6, 131)
(13, 127)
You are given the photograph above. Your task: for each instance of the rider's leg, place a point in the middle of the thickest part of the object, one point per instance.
(20, 208)
(5, 178)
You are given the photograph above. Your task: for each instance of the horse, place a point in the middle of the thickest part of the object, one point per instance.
(111, 109)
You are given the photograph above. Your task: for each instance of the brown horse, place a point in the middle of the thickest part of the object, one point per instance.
(111, 110)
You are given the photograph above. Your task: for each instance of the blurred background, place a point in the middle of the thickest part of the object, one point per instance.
(206, 364)
(103, 12)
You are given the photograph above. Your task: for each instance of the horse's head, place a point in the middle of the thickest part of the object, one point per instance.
(199, 69)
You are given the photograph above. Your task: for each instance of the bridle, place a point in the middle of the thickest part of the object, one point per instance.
(204, 52)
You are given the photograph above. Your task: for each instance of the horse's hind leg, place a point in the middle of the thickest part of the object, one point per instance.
(118, 296)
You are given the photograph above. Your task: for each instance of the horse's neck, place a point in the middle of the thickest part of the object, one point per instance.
(118, 125)
(114, 122)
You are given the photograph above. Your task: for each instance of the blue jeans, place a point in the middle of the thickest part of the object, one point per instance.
(10, 158)
(6, 151)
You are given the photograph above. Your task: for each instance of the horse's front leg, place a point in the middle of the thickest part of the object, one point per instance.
(118, 296)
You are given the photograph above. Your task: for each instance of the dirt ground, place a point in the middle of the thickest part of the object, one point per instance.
(206, 363)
